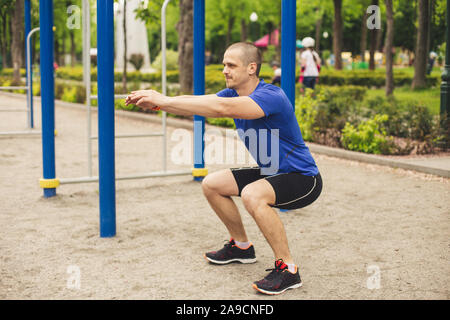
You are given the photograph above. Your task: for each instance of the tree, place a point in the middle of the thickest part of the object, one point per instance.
(17, 28)
(373, 42)
(420, 60)
(319, 20)
(6, 8)
(186, 46)
(388, 48)
(338, 34)
(363, 41)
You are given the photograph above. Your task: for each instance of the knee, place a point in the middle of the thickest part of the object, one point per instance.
(208, 186)
(251, 201)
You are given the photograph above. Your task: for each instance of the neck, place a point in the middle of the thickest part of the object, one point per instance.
(248, 87)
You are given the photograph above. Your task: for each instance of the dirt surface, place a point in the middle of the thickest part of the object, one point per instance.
(374, 233)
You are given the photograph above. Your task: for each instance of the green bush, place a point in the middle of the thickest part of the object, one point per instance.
(221, 122)
(120, 105)
(369, 78)
(305, 112)
(171, 60)
(406, 119)
(69, 94)
(368, 137)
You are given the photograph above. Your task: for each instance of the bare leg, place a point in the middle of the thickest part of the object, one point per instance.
(256, 197)
(218, 188)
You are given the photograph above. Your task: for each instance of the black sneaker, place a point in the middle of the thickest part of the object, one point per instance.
(278, 280)
(232, 253)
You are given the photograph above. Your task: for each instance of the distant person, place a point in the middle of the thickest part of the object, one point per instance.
(298, 56)
(277, 73)
(431, 61)
(310, 61)
(208, 57)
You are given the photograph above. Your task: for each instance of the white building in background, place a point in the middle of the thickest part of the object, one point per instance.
(137, 41)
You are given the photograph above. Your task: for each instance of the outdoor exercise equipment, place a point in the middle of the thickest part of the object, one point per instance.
(29, 87)
(105, 41)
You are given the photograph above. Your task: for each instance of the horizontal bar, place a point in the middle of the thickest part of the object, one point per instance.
(20, 133)
(13, 110)
(134, 135)
(130, 177)
(116, 96)
(13, 88)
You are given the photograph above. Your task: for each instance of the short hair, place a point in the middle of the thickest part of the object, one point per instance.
(249, 54)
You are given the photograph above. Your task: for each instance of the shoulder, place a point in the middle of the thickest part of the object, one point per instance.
(267, 89)
(227, 93)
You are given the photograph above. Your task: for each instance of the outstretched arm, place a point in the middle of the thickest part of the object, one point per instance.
(208, 106)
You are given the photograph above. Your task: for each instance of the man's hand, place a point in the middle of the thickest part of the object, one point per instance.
(146, 99)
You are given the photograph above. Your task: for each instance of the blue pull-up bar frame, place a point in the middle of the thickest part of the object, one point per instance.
(106, 141)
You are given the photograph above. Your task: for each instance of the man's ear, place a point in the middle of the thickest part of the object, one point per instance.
(252, 68)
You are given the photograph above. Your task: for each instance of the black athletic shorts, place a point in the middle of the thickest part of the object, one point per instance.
(292, 190)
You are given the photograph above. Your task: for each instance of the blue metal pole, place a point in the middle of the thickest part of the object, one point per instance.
(199, 83)
(47, 93)
(288, 37)
(106, 154)
(27, 31)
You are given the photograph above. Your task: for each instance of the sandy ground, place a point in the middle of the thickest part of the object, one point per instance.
(374, 233)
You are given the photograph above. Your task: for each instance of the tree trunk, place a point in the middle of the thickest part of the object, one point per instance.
(186, 46)
(380, 44)
(17, 30)
(73, 57)
(373, 42)
(229, 29)
(337, 37)
(318, 29)
(124, 74)
(363, 42)
(244, 32)
(389, 42)
(6, 18)
(420, 59)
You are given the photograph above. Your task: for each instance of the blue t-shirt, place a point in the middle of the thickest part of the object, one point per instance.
(277, 133)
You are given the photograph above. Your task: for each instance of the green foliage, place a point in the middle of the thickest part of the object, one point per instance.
(171, 60)
(222, 122)
(119, 104)
(270, 54)
(137, 60)
(369, 78)
(368, 137)
(305, 112)
(69, 94)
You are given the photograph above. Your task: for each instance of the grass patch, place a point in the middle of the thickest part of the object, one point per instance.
(427, 97)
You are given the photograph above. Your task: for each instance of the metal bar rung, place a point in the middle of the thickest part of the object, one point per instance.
(134, 135)
(20, 133)
(130, 177)
(13, 88)
(116, 96)
(13, 110)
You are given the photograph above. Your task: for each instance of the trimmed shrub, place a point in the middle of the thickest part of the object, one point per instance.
(368, 137)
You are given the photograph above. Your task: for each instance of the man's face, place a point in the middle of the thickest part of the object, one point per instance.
(234, 69)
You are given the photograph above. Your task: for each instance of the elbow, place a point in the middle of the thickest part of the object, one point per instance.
(223, 111)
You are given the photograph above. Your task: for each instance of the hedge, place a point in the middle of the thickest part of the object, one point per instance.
(215, 80)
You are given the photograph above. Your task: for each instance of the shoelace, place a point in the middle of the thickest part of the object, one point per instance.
(229, 243)
(278, 268)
